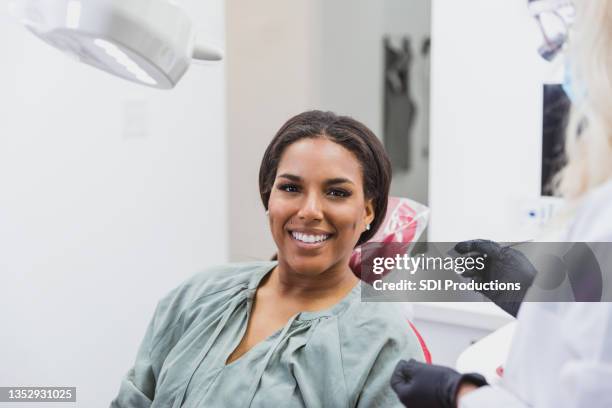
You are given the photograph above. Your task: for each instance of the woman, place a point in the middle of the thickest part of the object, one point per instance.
(561, 355)
(291, 333)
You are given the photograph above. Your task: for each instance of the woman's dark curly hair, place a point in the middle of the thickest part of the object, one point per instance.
(348, 133)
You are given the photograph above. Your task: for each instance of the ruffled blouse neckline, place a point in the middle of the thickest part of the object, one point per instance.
(334, 310)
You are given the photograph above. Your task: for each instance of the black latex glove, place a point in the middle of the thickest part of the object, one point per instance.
(503, 264)
(420, 385)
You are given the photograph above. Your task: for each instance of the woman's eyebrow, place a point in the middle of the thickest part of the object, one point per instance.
(338, 180)
(328, 182)
(291, 177)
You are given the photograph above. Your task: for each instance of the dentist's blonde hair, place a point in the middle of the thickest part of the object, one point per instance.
(589, 132)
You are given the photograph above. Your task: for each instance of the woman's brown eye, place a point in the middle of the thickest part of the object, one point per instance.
(289, 188)
(339, 193)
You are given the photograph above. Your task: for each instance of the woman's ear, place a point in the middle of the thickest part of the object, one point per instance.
(369, 211)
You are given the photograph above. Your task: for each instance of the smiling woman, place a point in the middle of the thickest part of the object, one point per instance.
(317, 213)
(291, 333)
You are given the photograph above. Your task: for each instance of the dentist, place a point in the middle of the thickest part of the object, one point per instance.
(561, 355)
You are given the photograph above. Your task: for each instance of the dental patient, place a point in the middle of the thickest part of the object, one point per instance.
(291, 332)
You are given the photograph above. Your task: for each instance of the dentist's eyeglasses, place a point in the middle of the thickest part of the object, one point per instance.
(554, 18)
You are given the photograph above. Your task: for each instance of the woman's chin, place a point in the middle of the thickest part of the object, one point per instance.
(311, 267)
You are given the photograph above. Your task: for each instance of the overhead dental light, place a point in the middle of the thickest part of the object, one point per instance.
(151, 42)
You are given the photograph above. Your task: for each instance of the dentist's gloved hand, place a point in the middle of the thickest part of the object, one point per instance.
(420, 385)
(503, 264)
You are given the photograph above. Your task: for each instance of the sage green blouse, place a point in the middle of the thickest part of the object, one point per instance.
(339, 357)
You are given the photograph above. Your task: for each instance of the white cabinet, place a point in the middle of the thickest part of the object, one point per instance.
(449, 328)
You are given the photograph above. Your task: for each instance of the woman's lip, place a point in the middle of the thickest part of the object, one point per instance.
(310, 231)
(309, 245)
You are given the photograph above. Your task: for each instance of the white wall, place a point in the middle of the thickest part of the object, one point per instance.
(110, 195)
(350, 63)
(486, 120)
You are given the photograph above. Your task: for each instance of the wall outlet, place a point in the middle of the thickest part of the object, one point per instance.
(539, 211)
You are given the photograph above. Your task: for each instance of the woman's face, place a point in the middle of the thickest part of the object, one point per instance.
(317, 209)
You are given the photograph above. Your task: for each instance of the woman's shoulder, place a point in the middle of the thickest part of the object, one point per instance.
(223, 278)
(216, 285)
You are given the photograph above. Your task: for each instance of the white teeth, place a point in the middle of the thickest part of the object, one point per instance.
(309, 239)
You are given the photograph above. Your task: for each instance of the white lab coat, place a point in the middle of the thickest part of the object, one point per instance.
(561, 354)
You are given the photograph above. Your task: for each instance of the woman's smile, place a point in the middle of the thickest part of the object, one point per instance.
(310, 239)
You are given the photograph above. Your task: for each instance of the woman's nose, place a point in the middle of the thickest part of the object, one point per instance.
(311, 208)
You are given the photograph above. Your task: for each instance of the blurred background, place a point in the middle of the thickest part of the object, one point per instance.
(111, 193)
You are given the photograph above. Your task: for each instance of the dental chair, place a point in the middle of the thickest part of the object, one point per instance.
(404, 223)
